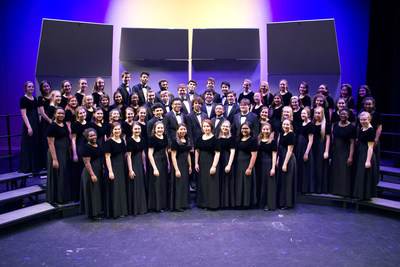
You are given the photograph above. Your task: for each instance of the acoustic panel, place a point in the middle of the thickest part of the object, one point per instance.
(303, 47)
(226, 44)
(154, 44)
(74, 49)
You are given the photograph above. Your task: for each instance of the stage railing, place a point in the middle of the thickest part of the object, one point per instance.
(8, 136)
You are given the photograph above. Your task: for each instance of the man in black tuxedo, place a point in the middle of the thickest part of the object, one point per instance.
(211, 85)
(166, 101)
(157, 111)
(218, 119)
(225, 87)
(209, 105)
(245, 116)
(183, 95)
(151, 95)
(231, 107)
(163, 85)
(173, 119)
(191, 86)
(142, 87)
(124, 88)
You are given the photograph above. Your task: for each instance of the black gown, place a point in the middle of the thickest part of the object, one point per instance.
(179, 187)
(321, 165)
(305, 169)
(45, 103)
(158, 186)
(365, 180)
(116, 203)
(137, 202)
(227, 185)
(208, 185)
(305, 101)
(77, 129)
(245, 185)
(31, 159)
(286, 180)
(266, 184)
(91, 201)
(58, 189)
(101, 132)
(340, 173)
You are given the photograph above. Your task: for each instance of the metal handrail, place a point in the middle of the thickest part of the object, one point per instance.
(9, 136)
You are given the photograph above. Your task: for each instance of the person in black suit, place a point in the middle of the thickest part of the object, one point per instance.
(232, 107)
(173, 119)
(142, 87)
(183, 95)
(163, 84)
(225, 88)
(166, 101)
(124, 88)
(245, 116)
(191, 86)
(151, 96)
(209, 105)
(218, 119)
(211, 85)
(157, 111)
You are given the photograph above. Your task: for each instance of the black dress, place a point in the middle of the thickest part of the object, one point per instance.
(286, 98)
(365, 179)
(158, 186)
(286, 180)
(31, 159)
(305, 101)
(208, 185)
(116, 203)
(69, 117)
(305, 169)
(91, 202)
(336, 117)
(245, 185)
(321, 165)
(179, 187)
(227, 180)
(341, 174)
(45, 103)
(127, 129)
(101, 132)
(266, 184)
(77, 129)
(58, 189)
(137, 202)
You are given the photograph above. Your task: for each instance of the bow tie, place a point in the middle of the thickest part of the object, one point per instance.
(159, 119)
(198, 114)
(209, 104)
(178, 114)
(230, 104)
(192, 93)
(241, 115)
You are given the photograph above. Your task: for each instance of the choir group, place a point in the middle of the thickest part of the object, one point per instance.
(147, 150)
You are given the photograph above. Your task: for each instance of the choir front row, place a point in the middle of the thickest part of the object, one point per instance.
(129, 175)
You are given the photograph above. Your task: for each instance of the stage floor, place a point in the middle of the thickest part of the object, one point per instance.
(308, 235)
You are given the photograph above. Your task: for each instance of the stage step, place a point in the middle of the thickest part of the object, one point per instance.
(391, 187)
(23, 214)
(382, 203)
(390, 171)
(21, 193)
(15, 176)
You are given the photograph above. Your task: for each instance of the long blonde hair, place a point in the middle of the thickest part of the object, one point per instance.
(260, 135)
(323, 122)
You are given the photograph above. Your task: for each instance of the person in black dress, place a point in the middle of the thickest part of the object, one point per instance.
(105, 106)
(345, 92)
(181, 170)
(70, 111)
(159, 169)
(44, 103)
(128, 123)
(264, 118)
(87, 103)
(136, 158)
(91, 202)
(376, 122)
(267, 97)
(304, 97)
(119, 104)
(305, 154)
(340, 105)
(134, 102)
(31, 159)
(114, 116)
(115, 150)
(321, 144)
(98, 124)
(296, 109)
(275, 113)
(247, 93)
(77, 143)
(246, 155)
(141, 119)
(287, 167)
(227, 169)
(58, 188)
(98, 90)
(265, 168)
(366, 177)
(343, 135)
(66, 88)
(284, 92)
(82, 84)
(323, 90)
(319, 100)
(257, 106)
(207, 156)
(363, 92)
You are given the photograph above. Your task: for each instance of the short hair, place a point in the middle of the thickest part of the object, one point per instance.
(365, 113)
(197, 99)
(182, 85)
(161, 81)
(150, 91)
(226, 83)
(192, 81)
(208, 91)
(211, 79)
(209, 122)
(220, 104)
(87, 131)
(175, 99)
(245, 101)
(156, 106)
(231, 92)
(143, 73)
(164, 93)
(125, 73)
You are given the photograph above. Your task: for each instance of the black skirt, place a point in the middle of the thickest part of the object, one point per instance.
(158, 186)
(208, 185)
(91, 192)
(137, 203)
(179, 187)
(267, 197)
